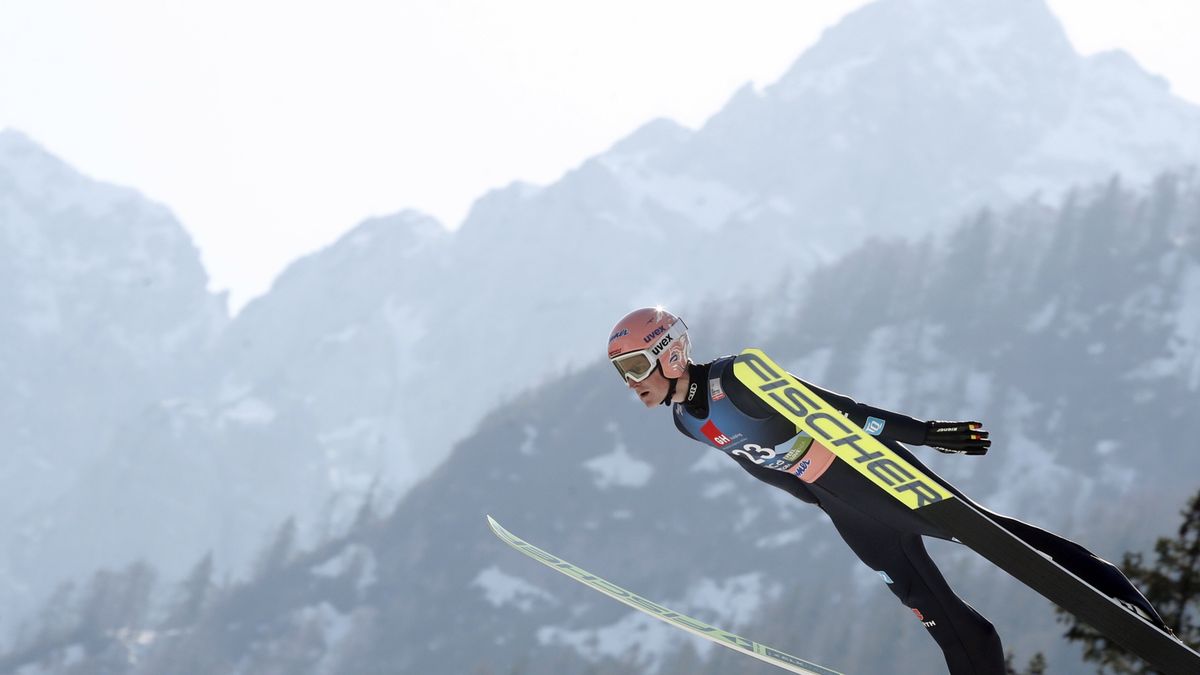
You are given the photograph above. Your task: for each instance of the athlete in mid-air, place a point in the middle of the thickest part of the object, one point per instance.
(651, 351)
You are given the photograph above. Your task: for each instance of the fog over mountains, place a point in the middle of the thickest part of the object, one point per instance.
(104, 312)
(144, 422)
(1085, 376)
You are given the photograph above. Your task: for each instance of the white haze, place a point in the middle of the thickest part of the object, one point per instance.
(273, 127)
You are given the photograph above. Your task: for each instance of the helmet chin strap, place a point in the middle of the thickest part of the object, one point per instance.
(670, 390)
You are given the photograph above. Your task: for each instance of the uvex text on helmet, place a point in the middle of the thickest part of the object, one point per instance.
(661, 335)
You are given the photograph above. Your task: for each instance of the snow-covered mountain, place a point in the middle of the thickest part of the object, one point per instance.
(909, 112)
(1070, 329)
(212, 458)
(103, 308)
(901, 118)
(367, 360)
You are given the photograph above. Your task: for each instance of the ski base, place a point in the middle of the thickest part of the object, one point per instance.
(724, 638)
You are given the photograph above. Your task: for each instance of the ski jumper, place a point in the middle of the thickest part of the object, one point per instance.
(721, 412)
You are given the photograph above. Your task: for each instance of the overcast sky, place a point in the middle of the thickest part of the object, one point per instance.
(270, 127)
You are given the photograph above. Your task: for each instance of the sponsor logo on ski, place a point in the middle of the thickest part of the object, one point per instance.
(655, 333)
(712, 433)
(692, 391)
(621, 333)
(714, 385)
(874, 426)
(850, 443)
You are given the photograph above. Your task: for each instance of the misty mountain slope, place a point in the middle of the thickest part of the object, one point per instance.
(1067, 417)
(338, 337)
(1070, 330)
(101, 290)
(370, 359)
(581, 468)
(103, 308)
(348, 281)
(560, 472)
(258, 436)
(1086, 312)
(951, 102)
(907, 113)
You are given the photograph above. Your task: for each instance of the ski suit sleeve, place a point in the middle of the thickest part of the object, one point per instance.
(890, 426)
(895, 426)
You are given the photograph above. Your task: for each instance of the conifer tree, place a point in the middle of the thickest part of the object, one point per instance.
(1171, 583)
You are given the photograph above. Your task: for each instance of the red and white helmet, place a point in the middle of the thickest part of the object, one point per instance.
(647, 337)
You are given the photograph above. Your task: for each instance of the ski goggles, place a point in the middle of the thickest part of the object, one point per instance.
(637, 366)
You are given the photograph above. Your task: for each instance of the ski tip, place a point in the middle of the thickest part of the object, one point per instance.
(499, 531)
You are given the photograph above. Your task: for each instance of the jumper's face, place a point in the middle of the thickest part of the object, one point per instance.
(652, 390)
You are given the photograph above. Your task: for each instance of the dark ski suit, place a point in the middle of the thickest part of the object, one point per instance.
(720, 411)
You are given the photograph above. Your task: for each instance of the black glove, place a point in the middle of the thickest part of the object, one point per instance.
(954, 438)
